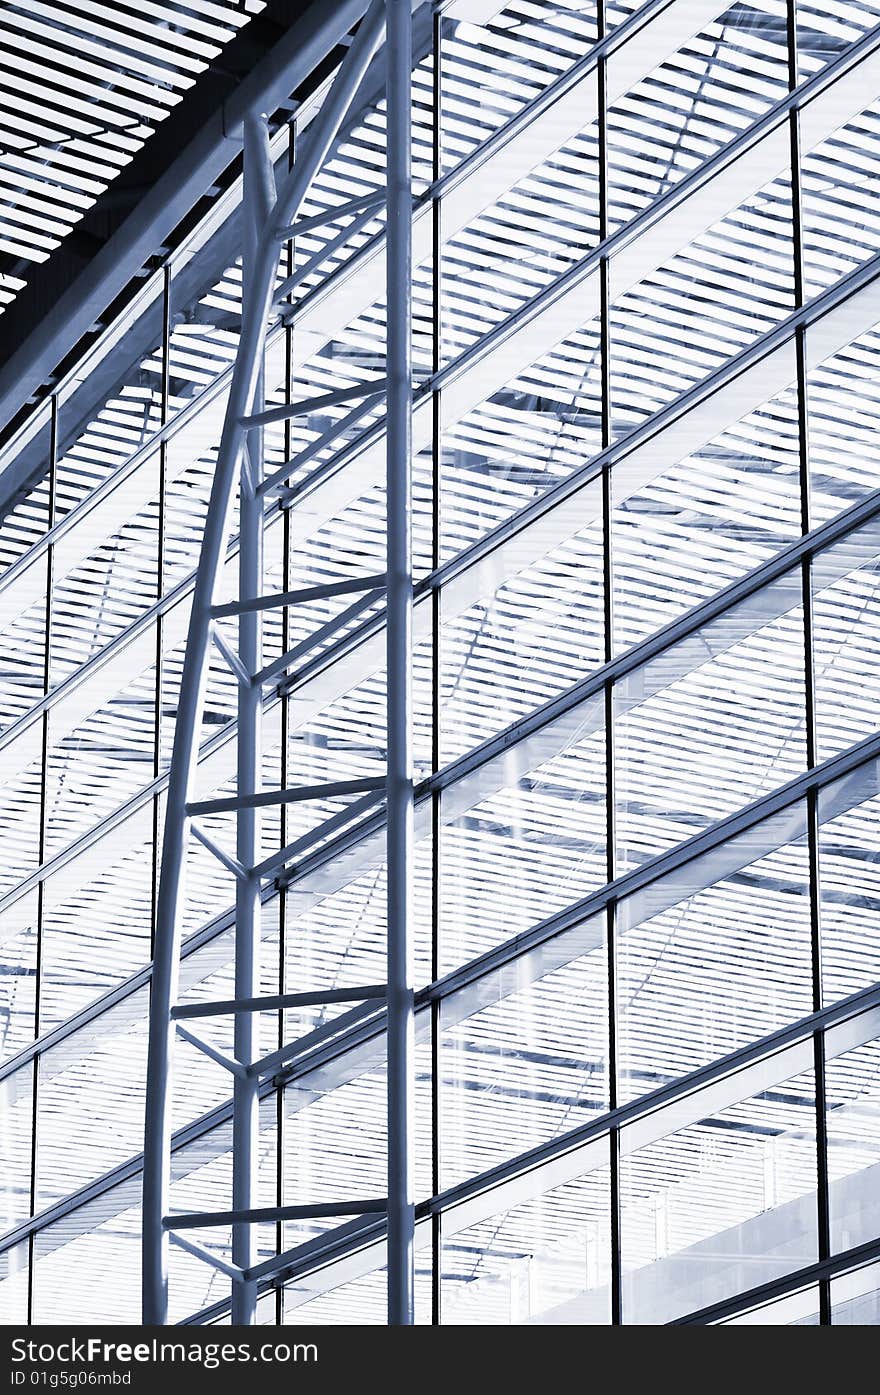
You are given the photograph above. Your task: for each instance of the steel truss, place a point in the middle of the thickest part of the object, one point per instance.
(269, 222)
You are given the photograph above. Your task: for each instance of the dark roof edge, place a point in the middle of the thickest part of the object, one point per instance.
(66, 298)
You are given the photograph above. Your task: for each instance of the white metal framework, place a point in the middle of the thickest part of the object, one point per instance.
(269, 222)
(646, 628)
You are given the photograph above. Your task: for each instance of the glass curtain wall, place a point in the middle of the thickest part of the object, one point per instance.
(646, 657)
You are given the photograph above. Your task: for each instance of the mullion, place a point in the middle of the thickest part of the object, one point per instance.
(436, 643)
(822, 1193)
(289, 259)
(41, 848)
(160, 587)
(608, 651)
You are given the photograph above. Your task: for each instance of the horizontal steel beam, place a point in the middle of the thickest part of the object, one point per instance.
(333, 1028)
(298, 794)
(324, 632)
(302, 845)
(305, 408)
(276, 1264)
(277, 1001)
(262, 1215)
(304, 596)
(321, 220)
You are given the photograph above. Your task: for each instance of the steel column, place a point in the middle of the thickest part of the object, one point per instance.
(401, 1037)
(259, 198)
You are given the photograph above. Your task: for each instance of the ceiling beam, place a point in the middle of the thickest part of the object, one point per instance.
(272, 57)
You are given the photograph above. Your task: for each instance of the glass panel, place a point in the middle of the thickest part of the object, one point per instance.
(824, 30)
(115, 407)
(26, 518)
(852, 1091)
(673, 326)
(500, 252)
(14, 1285)
(493, 64)
(846, 660)
(24, 525)
(18, 973)
(21, 779)
(16, 1138)
(544, 1260)
(205, 323)
(840, 200)
(516, 847)
(91, 1087)
(720, 948)
(523, 626)
(855, 1298)
(190, 459)
(97, 919)
(335, 1141)
(711, 724)
(23, 641)
(336, 919)
(849, 883)
(682, 531)
(335, 1131)
(101, 1240)
(717, 85)
(360, 1301)
(843, 393)
(95, 765)
(338, 728)
(106, 571)
(521, 420)
(524, 1053)
(720, 1206)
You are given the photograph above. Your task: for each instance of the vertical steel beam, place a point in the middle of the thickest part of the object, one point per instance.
(401, 1047)
(436, 683)
(258, 202)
